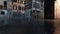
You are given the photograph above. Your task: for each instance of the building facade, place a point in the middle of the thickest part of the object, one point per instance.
(57, 9)
(3, 4)
(18, 5)
(33, 7)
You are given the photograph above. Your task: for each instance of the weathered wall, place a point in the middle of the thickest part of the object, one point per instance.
(57, 9)
(2, 2)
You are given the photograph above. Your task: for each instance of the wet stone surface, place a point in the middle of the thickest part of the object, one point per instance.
(23, 25)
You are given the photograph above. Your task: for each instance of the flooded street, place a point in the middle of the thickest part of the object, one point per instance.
(26, 26)
(57, 27)
(22, 26)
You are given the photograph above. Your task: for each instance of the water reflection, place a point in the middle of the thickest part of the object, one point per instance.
(34, 26)
(49, 27)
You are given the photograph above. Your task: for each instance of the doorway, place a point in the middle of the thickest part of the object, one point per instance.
(49, 9)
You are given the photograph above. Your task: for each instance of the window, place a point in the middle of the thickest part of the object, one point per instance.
(36, 5)
(5, 4)
(15, 7)
(2, 13)
(19, 8)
